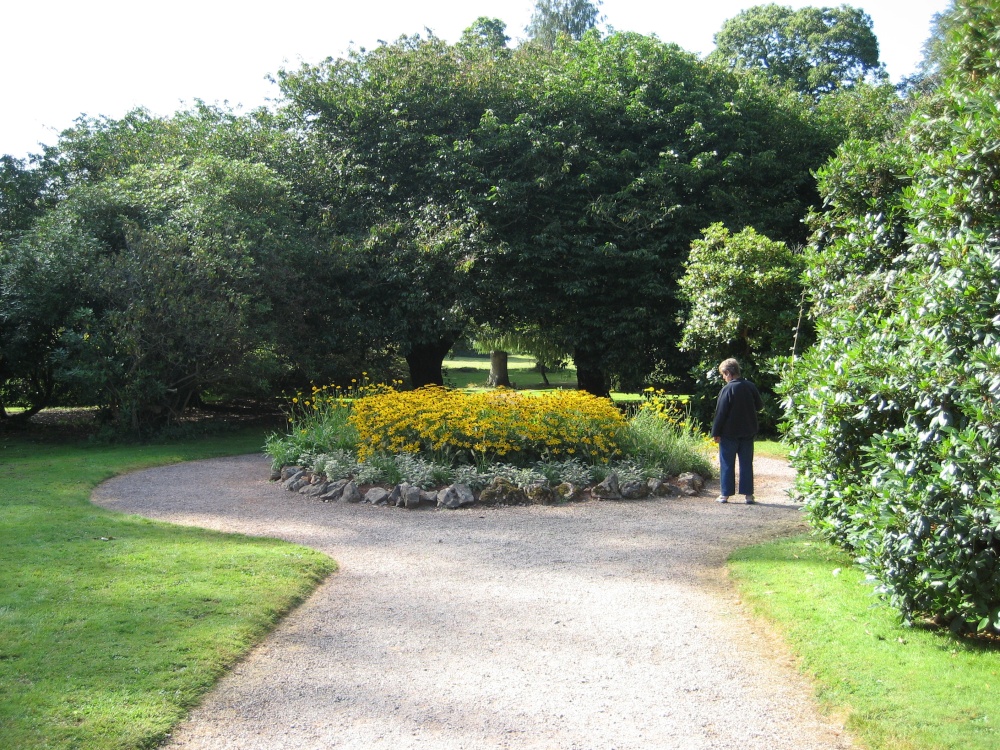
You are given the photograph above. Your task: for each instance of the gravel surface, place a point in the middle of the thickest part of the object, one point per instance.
(588, 625)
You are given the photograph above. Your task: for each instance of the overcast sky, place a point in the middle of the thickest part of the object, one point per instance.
(103, 57)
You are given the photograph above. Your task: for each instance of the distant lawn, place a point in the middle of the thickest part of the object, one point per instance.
(113, 626)
(471, 371)
(771, 448)
(898, 688)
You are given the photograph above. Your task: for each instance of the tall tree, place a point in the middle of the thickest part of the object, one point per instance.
(815, 50)
(554, 18)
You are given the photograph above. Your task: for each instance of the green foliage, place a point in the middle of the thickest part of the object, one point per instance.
(664, 440)
(115, 626)
(815, 50)
(424, 438)
(893, 412)
(744, 294)
(552, 19)
(553, 191)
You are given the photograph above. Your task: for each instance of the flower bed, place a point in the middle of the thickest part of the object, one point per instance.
(434, 436)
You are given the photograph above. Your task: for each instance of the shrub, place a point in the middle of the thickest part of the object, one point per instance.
(894, 413)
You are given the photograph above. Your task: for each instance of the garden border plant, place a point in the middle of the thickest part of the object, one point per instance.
(374, 434)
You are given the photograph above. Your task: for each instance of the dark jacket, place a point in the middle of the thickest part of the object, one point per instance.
(736, 411)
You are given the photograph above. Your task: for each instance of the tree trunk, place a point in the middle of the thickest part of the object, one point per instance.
(499, 376)
(425, 360)
(589, 376)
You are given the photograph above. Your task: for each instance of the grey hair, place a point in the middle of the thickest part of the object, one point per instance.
(731, 366)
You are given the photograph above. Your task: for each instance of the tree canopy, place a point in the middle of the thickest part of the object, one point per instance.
(554, 18)
(815, 50)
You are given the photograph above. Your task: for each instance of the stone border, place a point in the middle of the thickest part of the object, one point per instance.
(499, 492)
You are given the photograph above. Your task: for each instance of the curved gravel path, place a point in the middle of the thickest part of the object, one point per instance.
(589, 625)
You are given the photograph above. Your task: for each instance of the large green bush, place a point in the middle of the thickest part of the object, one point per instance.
(895, 413)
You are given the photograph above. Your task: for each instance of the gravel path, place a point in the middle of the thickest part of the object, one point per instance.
(592, 625)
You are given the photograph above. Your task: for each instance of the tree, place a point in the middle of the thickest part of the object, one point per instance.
(485, 33)
(743, 292)
(815, 50)
(554, 18)
(894, 410)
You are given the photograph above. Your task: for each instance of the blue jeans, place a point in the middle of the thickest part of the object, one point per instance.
(731, 449)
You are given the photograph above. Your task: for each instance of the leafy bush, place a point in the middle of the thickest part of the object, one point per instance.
(894, 413)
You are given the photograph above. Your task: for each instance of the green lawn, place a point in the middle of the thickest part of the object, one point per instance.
(899, 688)
(471, 371)
(113, 626)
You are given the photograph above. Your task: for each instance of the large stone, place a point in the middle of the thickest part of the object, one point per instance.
(688, 483)
(314, 490)
(567, 491)
(503, 492)
(395, 496)
(428, 497)
(455, 496)
(540, 493)
(287, 472)
(351, 493)
(409, 495)
(608, 489)
(293, 478)
(659, 488)
(635, 490)
(377, 496)
(335, 490)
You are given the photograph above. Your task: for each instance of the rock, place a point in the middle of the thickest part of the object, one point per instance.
(292, 478)
(334, 491)
(314, 490)
(659, 488)
(377, 496)
(287, 472)
(540, 493)
(410, 496)
(351, 493)
(275, 475)
(297, 484)
(608, 489)
(395, 497)
(503, 492)
(688, 483)
(455, 496)
(567, 491)
(635, 490)
(428, 497)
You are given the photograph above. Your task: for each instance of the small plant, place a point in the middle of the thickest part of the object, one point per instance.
(663, 437)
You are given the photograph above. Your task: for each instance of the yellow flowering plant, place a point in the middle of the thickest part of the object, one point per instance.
(487, 426)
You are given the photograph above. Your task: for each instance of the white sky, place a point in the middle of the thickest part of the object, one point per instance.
(104, 57)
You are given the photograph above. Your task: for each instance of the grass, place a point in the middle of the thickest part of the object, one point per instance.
(771, 448)
(899, 688)
(113, 626)
(471, 371)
